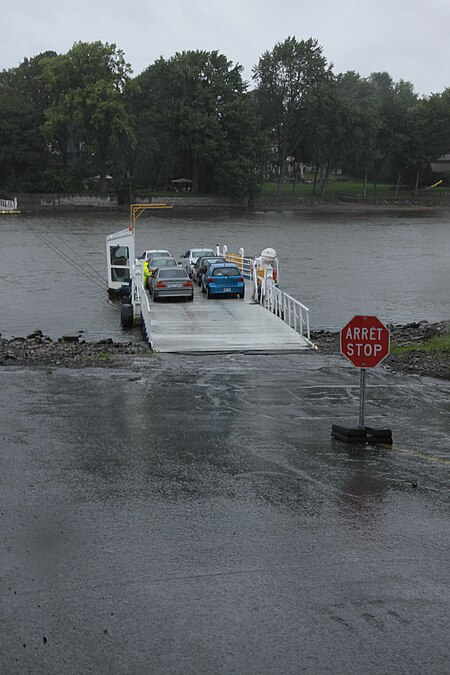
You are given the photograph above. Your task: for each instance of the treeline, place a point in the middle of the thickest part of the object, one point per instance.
(65, 119)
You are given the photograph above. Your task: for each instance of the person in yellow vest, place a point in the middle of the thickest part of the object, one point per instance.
(146, 271)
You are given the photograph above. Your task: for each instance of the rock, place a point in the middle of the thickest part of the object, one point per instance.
(35, 333)
(70, 338)
(431, 332)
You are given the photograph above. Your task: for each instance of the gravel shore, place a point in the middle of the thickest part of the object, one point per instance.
(68, 351)
(71, 351)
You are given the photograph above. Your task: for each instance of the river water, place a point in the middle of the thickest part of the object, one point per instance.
(395, 265)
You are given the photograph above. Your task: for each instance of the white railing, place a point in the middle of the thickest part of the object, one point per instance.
(267, 293)
(8, 204)
(141, 300)
(145, 316)
(287, 308)
(244, 263)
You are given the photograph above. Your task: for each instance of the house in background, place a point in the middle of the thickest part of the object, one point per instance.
(441, 165)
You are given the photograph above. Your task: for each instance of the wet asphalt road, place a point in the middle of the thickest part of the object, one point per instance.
(194, 516)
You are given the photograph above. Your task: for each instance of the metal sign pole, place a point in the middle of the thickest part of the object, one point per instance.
(362, 397)
(364, 342)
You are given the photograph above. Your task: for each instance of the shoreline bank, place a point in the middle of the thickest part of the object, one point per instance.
(412, 360)
(75, 203)
(71, 351)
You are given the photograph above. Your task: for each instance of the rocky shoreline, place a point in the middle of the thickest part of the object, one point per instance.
(415, 361)
(68, 351)
(71, 351)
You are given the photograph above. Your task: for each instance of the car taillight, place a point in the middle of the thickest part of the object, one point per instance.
(241, 279)
(210, 280)
(160, 284)
(187, 283)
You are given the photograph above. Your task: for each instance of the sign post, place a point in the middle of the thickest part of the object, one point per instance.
(364, 342)
(362, 397)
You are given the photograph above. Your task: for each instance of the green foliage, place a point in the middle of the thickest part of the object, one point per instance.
(87, 118)
(65, 118)
(288, 79)
(439, 343)
(195, 120)
(23, 100)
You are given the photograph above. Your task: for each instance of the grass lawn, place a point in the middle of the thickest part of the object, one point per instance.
(336, 185)
(353, 188)
(440, 343)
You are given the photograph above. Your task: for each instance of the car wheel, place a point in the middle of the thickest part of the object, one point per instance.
(209, 295)
(126, 316)
(155, 297)
(241, 295)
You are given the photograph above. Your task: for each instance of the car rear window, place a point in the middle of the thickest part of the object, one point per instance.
(174, 273)
(211, 261)
(202, 252)
(226, 272)
(163, 262)
(156, 254)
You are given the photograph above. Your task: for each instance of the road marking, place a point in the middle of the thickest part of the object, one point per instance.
(407, 451)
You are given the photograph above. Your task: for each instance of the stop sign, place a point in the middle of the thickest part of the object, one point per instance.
(365, 341)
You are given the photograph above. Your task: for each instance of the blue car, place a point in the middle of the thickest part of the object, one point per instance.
(223, 279)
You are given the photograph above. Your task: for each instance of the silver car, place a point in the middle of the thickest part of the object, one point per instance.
(171, 282)
(190, 257)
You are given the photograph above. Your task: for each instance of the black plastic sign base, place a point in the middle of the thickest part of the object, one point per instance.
(357, 435)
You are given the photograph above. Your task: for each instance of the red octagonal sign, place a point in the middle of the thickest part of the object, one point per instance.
(365, 341)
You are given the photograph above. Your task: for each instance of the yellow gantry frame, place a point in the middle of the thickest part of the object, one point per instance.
(137, 209)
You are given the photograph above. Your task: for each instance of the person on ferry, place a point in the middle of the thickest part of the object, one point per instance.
(146, 272)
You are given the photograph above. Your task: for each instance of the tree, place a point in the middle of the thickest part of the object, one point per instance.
(359, 150)
(25, 160)
(239, 169)
(431, 139)
(87, 118)
(327, 123)
(286, 78)
(196, 119)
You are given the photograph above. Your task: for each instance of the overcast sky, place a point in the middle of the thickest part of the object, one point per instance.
(410, 39)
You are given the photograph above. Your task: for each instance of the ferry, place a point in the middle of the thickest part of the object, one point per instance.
(267, 320)
(8, 206)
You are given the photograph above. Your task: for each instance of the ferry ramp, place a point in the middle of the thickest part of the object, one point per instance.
(217, 325)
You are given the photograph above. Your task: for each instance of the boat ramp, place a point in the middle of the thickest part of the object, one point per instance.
(266, 320)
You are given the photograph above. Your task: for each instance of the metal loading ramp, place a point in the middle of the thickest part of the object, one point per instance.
(219, 325)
